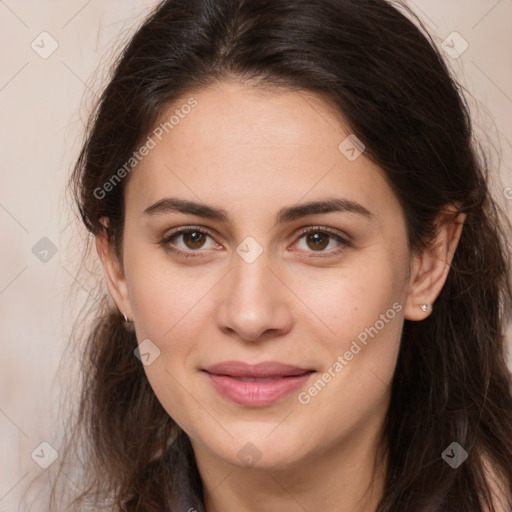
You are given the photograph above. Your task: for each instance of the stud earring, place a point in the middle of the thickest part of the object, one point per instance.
(424, 307)
(125, 318)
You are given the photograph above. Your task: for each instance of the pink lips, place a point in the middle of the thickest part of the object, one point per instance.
(256, 385)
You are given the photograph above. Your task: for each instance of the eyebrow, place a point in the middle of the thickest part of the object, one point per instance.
(286, 214)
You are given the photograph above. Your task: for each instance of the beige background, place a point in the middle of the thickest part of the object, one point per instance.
(44, 103)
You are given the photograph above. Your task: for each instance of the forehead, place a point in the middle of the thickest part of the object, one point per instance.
(243, 146)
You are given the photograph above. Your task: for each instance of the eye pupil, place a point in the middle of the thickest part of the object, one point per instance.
(195, 237)
(317, 239)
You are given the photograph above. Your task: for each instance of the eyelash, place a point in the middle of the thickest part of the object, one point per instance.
(194, 254)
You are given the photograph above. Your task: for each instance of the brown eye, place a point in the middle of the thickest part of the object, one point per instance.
(318, 240)
(315, 242)
(193, 239)
(188, 241)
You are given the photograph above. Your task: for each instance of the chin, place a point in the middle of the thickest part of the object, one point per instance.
(261, 451)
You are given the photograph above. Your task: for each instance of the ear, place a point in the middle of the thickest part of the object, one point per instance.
(429, 269)
(112, 268)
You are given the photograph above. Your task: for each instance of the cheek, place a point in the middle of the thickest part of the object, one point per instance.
(348, 300)
(169, 305)
(171, 316)
(362, 307)
(160, 293)
(168, 312)
(359, 359)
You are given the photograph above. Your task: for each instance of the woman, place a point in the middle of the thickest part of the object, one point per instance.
(309, 275)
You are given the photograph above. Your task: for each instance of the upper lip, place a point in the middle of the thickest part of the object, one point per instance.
(261, 370)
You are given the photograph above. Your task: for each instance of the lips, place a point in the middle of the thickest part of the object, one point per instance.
(257, 385)
(266, 371)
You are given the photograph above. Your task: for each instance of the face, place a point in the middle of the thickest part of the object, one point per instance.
(322, 289)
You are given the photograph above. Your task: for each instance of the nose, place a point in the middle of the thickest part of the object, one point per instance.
(255, 303)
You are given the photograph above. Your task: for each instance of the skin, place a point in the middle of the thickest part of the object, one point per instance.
(252, 153)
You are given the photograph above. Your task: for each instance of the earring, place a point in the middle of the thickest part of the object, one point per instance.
(424, 307)
(128, 325)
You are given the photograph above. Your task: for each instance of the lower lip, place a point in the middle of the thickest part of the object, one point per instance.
(256, 393)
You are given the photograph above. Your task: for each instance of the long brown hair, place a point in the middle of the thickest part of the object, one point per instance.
(383, 73)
